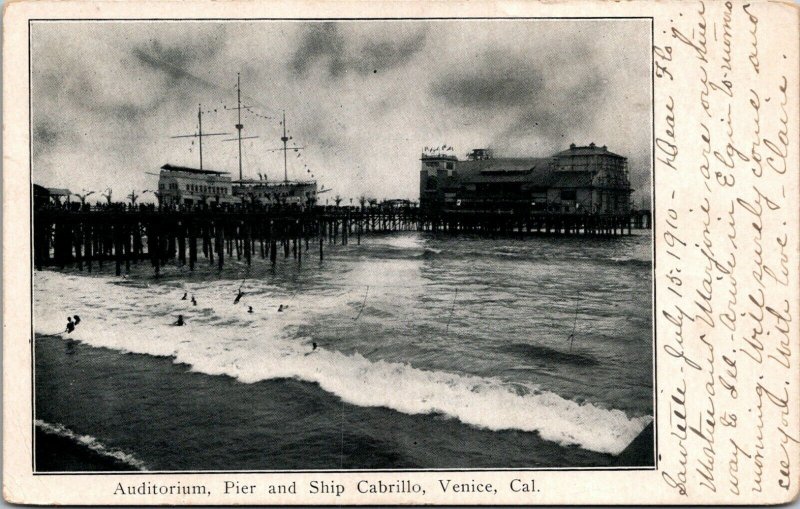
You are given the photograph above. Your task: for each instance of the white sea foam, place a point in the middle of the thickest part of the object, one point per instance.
(222, 339)
(399, 241)
(90, 442)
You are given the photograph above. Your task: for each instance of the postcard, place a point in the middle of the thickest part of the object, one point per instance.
(382, 253)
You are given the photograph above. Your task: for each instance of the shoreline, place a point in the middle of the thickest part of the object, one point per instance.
(275, 424)
(55, 453)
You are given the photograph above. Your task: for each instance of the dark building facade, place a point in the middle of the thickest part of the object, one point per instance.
(580, 180)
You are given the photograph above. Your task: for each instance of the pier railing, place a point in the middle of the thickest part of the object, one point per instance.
(123, 236)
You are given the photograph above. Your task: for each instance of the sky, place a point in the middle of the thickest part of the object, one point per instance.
(362, 98)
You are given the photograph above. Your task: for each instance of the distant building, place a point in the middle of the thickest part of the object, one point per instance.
(398, 203)
(43, 196)
(179, 185)
(587, 179)
(302, 193)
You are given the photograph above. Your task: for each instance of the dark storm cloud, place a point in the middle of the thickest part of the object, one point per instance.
(83, 93)
(174, 60)
(82, 88)
(382, 55)
(77, 88)
(179, 61)
(327, 44)
(46, 136)
(534, 98)
(487, 89)
(320, 43)
(554, 115)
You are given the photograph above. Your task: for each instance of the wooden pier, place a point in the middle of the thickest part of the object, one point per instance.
(123, 236)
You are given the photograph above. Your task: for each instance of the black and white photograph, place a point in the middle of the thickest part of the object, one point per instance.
(275, 245)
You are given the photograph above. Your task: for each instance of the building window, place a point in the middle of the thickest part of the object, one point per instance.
(568, 194)
(449, 166)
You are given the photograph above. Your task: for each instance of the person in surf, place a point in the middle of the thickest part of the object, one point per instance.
(313, 348)
(70, 325)
(194, 301)
(185, 294)
(77, 320)
(281, 308)
(179, 322)
(249, 309)
(239, 292)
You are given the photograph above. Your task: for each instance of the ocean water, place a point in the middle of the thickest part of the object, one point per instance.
(433, 352)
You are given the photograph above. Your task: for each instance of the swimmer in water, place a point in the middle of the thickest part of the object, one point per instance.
(280, 308)
(238, 296)
(77, 319)
(70, 325)
(249, 309)
(179, 321)
(194, 301)
(313, 348)
(185, 294)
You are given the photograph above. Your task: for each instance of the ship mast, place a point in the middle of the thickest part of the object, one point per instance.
(284, 139)
(285, 149)
(199, 134)
(239, 125)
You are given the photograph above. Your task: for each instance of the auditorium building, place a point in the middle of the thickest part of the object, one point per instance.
(580, 180)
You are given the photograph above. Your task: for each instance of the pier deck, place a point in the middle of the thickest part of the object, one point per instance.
(123, 236)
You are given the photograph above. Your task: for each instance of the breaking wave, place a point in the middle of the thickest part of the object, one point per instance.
(91, 443)
(222, 339)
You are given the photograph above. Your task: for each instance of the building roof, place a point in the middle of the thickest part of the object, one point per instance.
(170, 167)
(588, 150)
(534, 170)
(508, 178)
(56, 191)
(572, 179)
(539, 172)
